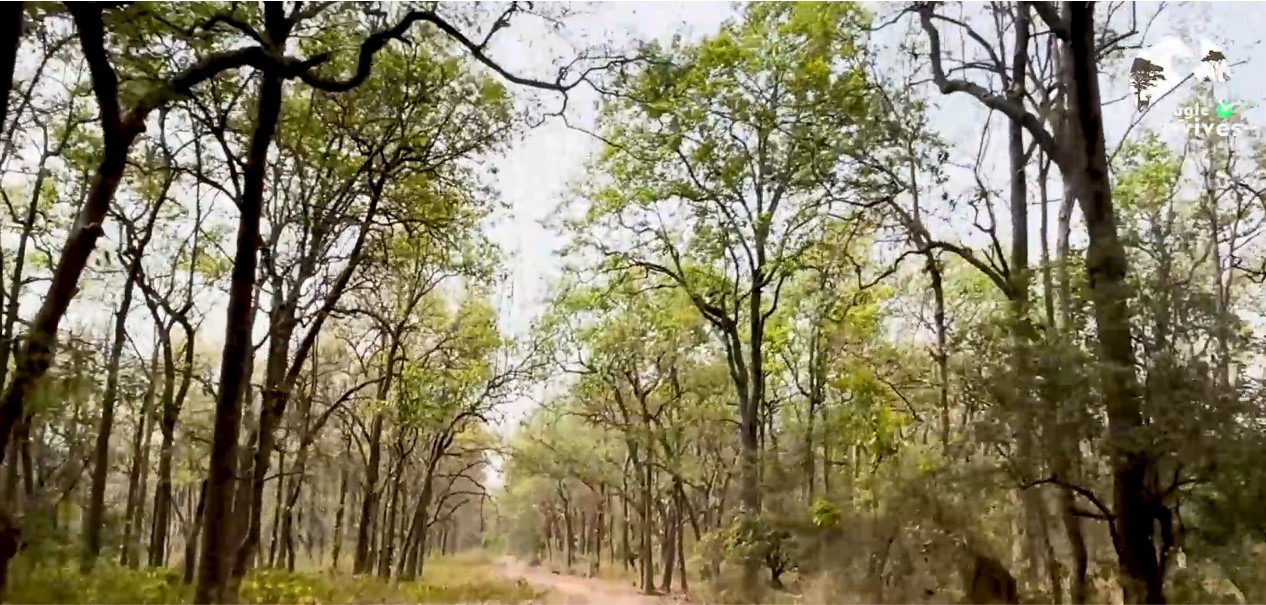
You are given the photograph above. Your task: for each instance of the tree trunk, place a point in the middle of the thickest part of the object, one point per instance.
(134, 490)
(681, 550)
(1066, 455)
(216, 550)
(568, 534)
(273, 404)
(610, 528)
(279, 499)
(1048, 281)
(142, 487)
(36, 355)
(393, 508)
(599, 525)
(9, 342)
(672, 519)
(415, 542)
(1141, 576)
(12, 18)
(647, 526)
(369, 502)
(1037, 542)
(338, 516)
(191, 543)
(93, 515)
(162, 491)
(626, 547)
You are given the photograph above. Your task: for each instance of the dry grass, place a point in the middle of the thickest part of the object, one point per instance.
(472, 578)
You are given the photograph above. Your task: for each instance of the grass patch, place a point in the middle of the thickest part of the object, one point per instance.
(473, 579)
(458, 580)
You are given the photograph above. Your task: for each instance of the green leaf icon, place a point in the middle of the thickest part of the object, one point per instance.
(1225, 109)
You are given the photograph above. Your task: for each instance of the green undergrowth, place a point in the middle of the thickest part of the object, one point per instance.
(443, 581)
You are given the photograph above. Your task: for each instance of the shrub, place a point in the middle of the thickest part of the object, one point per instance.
(471, 580)
(108, 583)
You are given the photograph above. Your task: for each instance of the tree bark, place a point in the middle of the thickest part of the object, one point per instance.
(393, 512)
(280, 498)
(135, 489)
(11, 18)
(369, 503)
(191, 542)
(647, 526)
(410, 563)
(167, 425)
(338, 516)
(215, 564)
(681, 544)
(415, 542)
(95, 512)
(1135, 511)
(672, 521)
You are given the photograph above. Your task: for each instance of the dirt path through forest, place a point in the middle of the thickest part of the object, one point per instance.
(575, 590)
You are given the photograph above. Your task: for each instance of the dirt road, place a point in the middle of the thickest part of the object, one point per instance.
(574, 590)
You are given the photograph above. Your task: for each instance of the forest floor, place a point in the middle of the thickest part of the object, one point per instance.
(565, 589)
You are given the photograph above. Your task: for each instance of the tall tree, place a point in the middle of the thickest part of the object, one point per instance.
(724, 158)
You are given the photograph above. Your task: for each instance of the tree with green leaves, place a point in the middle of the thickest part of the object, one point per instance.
(723, 160)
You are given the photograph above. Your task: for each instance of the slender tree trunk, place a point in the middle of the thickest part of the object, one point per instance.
(393, 508)
(369, 502)
(338, 516)
(273, 403)
(135, 488)
(600, 523)
(279, 498)
(142, 489)
(162, 491)
(1141, 576)
(93, 515)
(9, 345)
(816, 378)
(1048, 282)
(626, 547)
(415, 542)
(568, 534)
(941, 354)
(672, 517)
(216, 550)
(195, 531)
(610, 526)
(681, 547)
(1038, 543)
(1221, 298)
(1065, 456)
(647, 526)
(411, 563)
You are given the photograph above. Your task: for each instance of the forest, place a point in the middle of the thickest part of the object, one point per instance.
(914, 302)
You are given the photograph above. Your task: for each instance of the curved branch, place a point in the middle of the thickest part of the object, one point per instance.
(377, 41)
(1012, 109)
